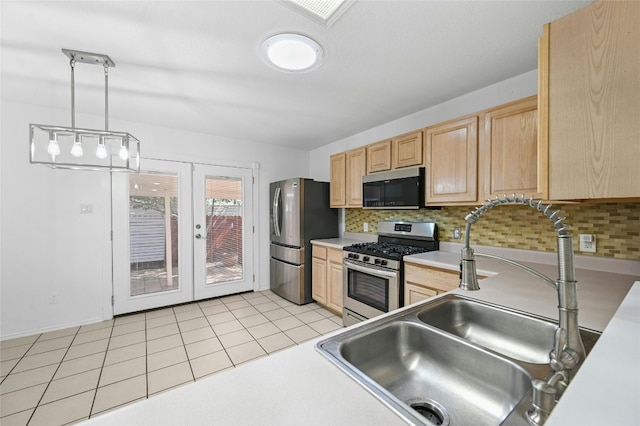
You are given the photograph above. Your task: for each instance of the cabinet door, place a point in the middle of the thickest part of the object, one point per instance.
(356, 168)
(451, 159)
(407, 150)
(414, 294)
(319, 280)
(509, 150)
(593, 93)
(379, 157)
(334, 280)
(338, 178)
(335, 287)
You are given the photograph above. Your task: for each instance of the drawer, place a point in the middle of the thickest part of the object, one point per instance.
(438, 279)
(334, 255)
(319, 251)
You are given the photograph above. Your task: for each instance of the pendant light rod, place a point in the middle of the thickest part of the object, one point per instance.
(93, 59)
(106, 96)
(72, 63)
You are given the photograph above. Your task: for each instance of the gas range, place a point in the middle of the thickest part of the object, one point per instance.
(373, 272)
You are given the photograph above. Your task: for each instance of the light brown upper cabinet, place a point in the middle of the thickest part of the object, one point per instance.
(407, 150)
(347, 169)
(589, 100)
(451, 160)
(379, 156)
(338, 180)
(356, 168)
(509, 150)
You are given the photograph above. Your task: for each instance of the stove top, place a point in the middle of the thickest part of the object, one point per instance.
(387, 250)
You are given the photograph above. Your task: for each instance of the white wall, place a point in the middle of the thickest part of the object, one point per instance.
(506, 91)
(47, 246)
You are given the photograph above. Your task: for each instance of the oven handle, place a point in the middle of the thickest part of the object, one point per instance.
(370, 270)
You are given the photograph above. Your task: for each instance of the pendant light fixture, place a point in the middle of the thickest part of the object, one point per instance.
(84, 149)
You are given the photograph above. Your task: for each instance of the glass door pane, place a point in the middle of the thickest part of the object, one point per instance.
(153, 232)
(223, 207)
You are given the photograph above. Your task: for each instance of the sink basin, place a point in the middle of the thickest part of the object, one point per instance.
(438, 376)
(454, 360)
(510, 333)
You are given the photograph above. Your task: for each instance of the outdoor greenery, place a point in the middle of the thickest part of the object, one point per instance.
(157, 203)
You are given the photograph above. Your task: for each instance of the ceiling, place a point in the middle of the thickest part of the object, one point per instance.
(196, 64)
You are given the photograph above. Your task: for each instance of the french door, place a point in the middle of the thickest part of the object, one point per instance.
(181, 232)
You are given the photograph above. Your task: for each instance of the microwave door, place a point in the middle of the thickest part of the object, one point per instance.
(402, 192)
(373, 194)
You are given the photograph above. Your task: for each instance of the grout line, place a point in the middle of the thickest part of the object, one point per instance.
(184, 345)
(54, 374)
(104, 359)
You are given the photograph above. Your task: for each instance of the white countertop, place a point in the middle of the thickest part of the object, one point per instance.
(606, 390)
(348, 239)
(298, 386)
(338, 243)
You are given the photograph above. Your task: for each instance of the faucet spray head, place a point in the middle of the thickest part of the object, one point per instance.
(468, 277)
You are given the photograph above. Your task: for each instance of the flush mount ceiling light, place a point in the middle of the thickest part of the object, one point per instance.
(291, 53)
(324, 12)
(84, 149)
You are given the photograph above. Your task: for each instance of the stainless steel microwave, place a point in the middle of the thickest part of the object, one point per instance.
(398, 189)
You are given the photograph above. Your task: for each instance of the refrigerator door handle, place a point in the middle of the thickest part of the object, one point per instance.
(276, 207)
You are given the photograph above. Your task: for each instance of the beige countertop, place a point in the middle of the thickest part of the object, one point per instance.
(299, 386)
(348, 239)
(337, 243)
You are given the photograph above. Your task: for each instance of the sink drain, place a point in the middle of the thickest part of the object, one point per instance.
(430, 410)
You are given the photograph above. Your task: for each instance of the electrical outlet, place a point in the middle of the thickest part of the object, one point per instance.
(365, 226)
(457, 234)
(588, 243)
(53, 298)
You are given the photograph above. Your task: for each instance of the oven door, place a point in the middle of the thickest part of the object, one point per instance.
(369, 291)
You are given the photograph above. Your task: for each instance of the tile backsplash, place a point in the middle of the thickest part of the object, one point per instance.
(616, 226)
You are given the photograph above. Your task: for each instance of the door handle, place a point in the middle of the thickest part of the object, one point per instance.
(276, 215)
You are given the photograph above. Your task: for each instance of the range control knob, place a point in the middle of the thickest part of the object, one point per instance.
(377, 261)
(383, 263)
(365, 259)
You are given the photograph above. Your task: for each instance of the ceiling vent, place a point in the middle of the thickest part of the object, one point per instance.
(324, 12)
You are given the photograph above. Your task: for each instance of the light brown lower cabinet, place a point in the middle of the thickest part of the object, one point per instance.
(326, 277)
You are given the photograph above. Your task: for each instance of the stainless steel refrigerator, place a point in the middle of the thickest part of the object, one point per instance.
(299, 213)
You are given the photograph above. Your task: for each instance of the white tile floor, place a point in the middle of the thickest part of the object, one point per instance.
(70, 375)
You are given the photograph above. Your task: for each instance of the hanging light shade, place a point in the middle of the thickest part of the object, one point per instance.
(84, 149)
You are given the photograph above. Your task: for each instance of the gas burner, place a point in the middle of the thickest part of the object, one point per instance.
(388, 250)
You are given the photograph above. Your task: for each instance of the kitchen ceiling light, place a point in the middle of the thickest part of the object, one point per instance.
(111, 151)
(292, 53)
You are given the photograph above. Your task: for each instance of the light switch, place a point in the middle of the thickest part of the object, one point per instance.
(86, 208)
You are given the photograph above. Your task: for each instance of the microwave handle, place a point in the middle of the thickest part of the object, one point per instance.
(369, 270)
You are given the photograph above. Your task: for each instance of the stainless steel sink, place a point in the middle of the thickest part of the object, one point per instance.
(454, 360)
(508, 332)
(430, 371)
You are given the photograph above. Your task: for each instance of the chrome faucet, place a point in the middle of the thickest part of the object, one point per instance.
(568, 350)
